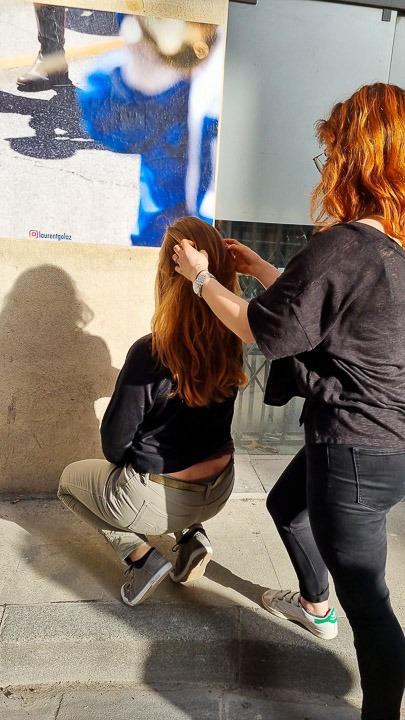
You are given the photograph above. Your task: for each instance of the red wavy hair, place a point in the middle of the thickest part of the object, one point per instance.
(203, 356)
(364, 174)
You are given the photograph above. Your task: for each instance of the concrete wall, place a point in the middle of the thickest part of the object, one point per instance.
(68, 314)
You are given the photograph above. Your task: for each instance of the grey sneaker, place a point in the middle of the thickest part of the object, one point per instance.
(144, 581)
(194, 553)
(286, 604)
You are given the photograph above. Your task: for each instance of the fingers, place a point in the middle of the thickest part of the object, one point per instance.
(234, 248)
(176, 256)
(178, 249)
(231, 242)
(188, 260)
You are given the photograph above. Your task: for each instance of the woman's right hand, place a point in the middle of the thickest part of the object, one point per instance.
(189, 261)
(246, 260)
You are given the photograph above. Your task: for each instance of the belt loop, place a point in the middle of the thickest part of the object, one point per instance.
(208, 491)
(144, 478)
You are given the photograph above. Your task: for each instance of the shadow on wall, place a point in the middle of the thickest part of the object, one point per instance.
(51, 373)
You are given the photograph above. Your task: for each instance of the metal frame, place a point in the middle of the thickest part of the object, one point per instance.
(383, 4)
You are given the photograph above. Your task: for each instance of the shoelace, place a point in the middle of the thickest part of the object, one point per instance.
(186, 538)
(130, 569)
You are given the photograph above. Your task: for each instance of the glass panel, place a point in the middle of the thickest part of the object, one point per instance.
(396, 76)
(257, 427)
(275, 91)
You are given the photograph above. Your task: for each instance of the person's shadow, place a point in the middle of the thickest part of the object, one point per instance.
(57, 122)
(91, 22)
(52, 372)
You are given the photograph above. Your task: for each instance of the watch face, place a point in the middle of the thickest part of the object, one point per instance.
(197, 285)
(199, 281)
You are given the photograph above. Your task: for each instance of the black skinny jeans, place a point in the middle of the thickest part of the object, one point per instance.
(336, 498)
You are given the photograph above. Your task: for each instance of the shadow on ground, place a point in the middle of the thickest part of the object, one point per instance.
(59, 132)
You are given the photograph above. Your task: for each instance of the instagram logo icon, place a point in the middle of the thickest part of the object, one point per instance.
(33, 233)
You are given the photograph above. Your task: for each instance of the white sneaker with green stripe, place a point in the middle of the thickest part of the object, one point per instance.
(286, 604)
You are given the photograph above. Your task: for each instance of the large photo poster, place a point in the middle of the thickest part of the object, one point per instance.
(109, 120)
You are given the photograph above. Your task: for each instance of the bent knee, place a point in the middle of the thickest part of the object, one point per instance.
(275, 508)
(65, 478)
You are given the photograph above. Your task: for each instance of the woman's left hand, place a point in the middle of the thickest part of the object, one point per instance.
(189, 261)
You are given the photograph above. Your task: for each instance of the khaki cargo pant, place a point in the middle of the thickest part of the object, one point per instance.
(126, 506)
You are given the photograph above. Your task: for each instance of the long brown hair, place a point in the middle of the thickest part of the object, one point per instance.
(203, 356)
(364, 174)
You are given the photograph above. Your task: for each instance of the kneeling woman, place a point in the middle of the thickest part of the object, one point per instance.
(166, 433)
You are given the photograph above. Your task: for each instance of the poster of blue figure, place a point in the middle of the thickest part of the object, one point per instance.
(159, 97)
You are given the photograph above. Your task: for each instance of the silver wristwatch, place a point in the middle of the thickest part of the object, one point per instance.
(200, 280)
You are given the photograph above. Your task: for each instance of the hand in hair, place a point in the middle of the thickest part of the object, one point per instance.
(245, 259)
(189, 261)
(248, 262)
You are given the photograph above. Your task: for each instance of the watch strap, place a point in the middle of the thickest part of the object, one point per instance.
(200, 280)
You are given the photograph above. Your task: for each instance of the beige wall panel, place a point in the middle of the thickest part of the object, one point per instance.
(208, 11)
(68, 314)
(69, 311)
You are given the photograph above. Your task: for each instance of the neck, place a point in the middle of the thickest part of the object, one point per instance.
(376, 222)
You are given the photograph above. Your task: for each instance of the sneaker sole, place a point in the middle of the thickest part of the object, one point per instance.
(310, 627)
(148, 589)
(196, 567)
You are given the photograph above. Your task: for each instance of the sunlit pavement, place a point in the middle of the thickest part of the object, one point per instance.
(71, 649)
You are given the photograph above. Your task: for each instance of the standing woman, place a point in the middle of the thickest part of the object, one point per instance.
(166, 433)
(334, 326)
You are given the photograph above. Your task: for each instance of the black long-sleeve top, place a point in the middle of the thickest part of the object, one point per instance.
(153, 432)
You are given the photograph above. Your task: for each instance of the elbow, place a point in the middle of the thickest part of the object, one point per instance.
(112, 452)
(245, 333)
(242, 326)
(247, 336)
(111, 456)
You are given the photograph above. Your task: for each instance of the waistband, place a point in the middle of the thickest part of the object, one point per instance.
(201, 486)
